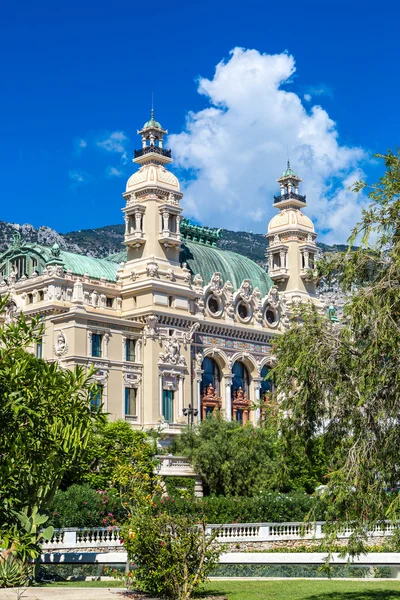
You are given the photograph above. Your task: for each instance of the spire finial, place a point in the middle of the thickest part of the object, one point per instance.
(288, 164)
(152, 105)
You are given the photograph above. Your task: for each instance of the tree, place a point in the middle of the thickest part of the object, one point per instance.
(232, 459)
(344, 379)
(112, 444)
(172, 555)
(45, 420)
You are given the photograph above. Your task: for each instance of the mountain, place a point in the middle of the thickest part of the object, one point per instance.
(102, 241)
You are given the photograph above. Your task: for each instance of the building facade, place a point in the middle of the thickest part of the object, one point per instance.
(171, 320)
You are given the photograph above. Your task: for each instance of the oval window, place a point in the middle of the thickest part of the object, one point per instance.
(243, 310)
(214, 305)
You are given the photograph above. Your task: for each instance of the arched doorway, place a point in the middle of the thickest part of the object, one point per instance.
(240, 392)
(210, 387)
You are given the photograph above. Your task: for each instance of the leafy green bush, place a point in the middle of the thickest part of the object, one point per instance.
(180, 486)
(81, 506)
(263, 508)
(171, 555)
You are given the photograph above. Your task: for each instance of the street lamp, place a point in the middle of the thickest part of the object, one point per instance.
(190, 413)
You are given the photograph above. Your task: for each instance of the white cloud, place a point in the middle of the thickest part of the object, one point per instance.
(232, 152)
(115, 142)
(82, 143)
(114, 172)
(307, 97)
(78, 177)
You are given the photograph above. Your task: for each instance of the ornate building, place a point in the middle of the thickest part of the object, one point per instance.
(171, 320)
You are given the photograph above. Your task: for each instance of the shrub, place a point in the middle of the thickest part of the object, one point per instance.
(180, 486)
(263, 508)
(81, 506)
(171, 555)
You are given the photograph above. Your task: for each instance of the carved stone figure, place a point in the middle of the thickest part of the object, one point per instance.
(60, 346)
(245, 290)
(150, 329)
(198, 282)
(172, 354)
(216, 284)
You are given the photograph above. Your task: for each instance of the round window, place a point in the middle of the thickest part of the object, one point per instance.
(243, 310)
(214, 305)
(270, 316)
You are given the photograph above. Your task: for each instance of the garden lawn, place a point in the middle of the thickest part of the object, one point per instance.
(299, 589)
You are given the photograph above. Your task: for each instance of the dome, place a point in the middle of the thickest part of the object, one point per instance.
(290, 218)
(153, 175)
(152, 123)
(205, 261)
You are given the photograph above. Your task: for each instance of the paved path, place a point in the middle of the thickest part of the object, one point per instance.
(56, 593)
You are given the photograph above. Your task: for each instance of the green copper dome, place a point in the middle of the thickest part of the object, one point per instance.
(289, 171)
(152, 122)
(207, 260)
(233, 267)
(78, 264)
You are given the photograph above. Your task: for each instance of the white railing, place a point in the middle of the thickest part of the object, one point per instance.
(174, 465)
(108, 537)
(86, 537)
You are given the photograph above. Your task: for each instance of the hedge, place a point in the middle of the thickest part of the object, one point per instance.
(264, 508)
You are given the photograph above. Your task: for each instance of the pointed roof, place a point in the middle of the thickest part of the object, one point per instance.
(289, 171)
(152, 123)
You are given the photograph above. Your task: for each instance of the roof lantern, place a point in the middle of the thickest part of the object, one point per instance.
(152, 134)
(289, 184)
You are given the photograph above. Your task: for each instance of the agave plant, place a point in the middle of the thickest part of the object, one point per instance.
(13, 572)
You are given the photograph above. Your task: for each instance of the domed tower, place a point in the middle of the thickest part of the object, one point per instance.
(291, 239)
(152, 212)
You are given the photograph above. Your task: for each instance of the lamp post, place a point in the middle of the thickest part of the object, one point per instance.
(190, 413)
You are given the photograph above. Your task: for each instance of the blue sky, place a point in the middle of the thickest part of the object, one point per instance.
(76, 83)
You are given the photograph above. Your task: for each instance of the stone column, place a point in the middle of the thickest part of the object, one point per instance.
(181, 381)
(165, 222)
(138, 222)
(228, 398)
(257, 388)
(199, 377)
(160, 378)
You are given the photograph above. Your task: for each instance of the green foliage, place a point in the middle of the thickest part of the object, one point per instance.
(345, 379)
(45, 420)
(81, 506)
(236, 460)
(171, 556)
(111, 445)
(180, 486)
(263, 508)
(232, 459)
(13, 572)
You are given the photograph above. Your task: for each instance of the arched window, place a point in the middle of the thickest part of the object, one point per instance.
(240, 378)
(211, 375)
(266, 384)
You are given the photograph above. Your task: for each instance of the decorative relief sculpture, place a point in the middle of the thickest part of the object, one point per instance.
(152, 267)
(172, 354)
(198, 282)
(216, 284)
(188, 335)
(61, 345)
(11, 311)
(150, 329)
(245, 290)
(187, 274)
(170, 275)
